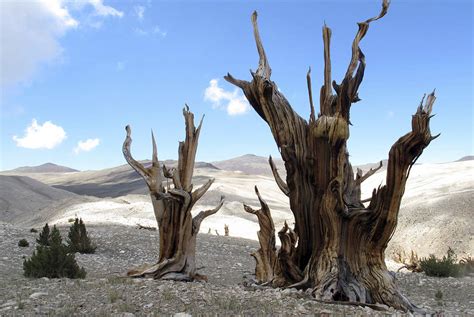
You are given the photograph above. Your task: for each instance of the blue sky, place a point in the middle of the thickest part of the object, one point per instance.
(84, 69)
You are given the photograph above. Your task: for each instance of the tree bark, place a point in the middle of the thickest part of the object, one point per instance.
(274, 267)
(172, 207)
(341, 242)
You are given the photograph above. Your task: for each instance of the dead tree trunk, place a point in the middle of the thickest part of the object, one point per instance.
(274, 267)
(341, 242)
(172, 207)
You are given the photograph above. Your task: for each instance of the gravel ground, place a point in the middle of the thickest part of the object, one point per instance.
(225, 260)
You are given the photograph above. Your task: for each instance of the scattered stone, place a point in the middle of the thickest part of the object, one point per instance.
(38, 295)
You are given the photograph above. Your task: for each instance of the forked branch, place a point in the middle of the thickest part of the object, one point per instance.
(204, 214)
(151, 175)
(402, 157)
(280, 182)
(198, 193)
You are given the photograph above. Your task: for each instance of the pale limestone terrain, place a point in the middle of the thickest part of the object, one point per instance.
(436, 211)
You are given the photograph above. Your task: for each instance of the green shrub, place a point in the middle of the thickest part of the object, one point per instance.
(23, 243)
(33, 230)
(44, 236)
(70, 220)
(53, 261)
(78, 241)
(444, 267)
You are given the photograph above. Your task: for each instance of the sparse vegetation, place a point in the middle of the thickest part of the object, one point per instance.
(447, 266)
(23, 243)
(114, 295)
(78, 240)
(52, 260)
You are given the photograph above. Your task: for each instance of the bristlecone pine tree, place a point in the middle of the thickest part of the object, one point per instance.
(53, 260)
(172, 207)
(78, 239)
(44, 236)
(341, 243)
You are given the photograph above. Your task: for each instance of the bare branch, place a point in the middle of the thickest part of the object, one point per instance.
(137, 166)
(204, 214)
(280, 182)
(326, 90)
(371, 172)
(402, 157)
(264, 69)
(198, 193)
(312, 117)
(187, 150)
(237, 82)
(155, 151)
(250, 210)
(363, 27)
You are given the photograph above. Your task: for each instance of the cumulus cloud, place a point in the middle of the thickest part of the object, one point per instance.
(37, 136)
(234, 102)
(139, 12)
(31, 30)
(86, 146)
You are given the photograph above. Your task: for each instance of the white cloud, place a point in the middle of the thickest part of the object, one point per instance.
(37, 136)
(31, 30)
(232, 101)
(154, 31)
(139, 12)
(103, 10)
(29, 36)
(86, 146)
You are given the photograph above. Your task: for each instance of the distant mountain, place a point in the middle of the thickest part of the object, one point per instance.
(466, 158)
(368, 166)
(24, 200)
(111, 182)
(45, 168)
(251, 164)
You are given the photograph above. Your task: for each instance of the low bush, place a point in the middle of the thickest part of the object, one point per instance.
(23, 243)
(53, 260)
(78, 240)
(447, 266)
(33, 230)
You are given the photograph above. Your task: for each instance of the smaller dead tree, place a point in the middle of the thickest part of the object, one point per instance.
(274, 267)
(226, 230)
(172, 207)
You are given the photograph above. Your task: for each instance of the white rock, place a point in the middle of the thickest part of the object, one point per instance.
(182, 315)
(38, 295)
(148, 306)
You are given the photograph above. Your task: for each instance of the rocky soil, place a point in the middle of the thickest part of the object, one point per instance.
(225, 260)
